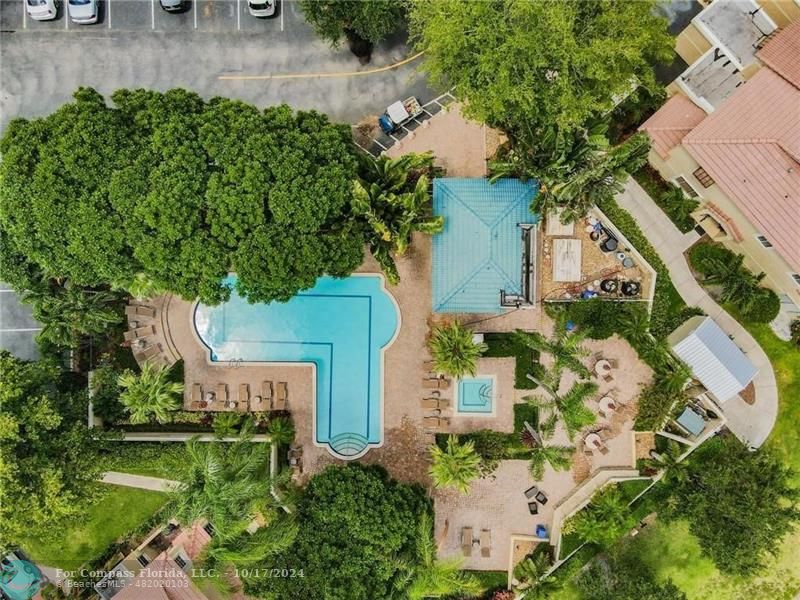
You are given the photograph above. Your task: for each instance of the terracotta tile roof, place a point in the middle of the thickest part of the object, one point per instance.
(750, 146)
(782, 53)
(193, 539)
(162, 579)
(671, 122)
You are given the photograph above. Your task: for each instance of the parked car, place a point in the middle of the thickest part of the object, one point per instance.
(42, 10)
(262, 8)
(83, 12)
(173, 5)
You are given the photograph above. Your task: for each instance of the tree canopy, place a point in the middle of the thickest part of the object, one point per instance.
(357, 530)
(561, 62)
(739, 504)
(47, 455)
(177, 190)
(370, 21)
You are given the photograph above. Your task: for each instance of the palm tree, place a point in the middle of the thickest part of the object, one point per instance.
(392, 198)
(571, 406)
(634, 325)
(456, 466)
(672, 377)
(533, 581)
(255, 548)
(668, 462)
(141, 286)
(558, 457)
(149, 394)
(225, 423)
(453, 350)
(429, 577)
(739, 285)
(281, 430)
(565, 347)
(605, 519)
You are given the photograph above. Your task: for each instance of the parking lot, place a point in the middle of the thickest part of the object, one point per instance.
(147, 15)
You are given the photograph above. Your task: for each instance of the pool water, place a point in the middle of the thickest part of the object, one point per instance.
(476, 395)
(339, 325)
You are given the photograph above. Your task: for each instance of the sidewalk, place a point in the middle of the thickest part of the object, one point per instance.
(750, 423)
(142, 482)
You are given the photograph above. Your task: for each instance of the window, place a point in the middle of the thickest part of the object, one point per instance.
(143, 560)
(764, 241)
(703, 177)
(685, 186)
(180, 561)
(796, 277)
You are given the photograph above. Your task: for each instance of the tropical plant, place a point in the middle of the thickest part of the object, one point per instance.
(150, 394)
(426, 576)
(250, 549)
(794, 331)
(532, 580)
(281, 430)
(453, 349)
(634, 326)
(738, 283)
(226, 423)
(605, 519)
(68, 312)
(392, 198)
(558, 457)
(457, 465)
(564, 346)
(669, 463)
(141, 287)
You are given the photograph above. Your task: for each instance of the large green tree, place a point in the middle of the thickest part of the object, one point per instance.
(739, 504)
(177, 191)
(48, 463)
(560, 62)
(356, 527)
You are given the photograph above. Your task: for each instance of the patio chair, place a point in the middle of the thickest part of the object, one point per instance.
(533, 507)
(129, 336)
(430, 403)
(614, 363)
(604, 450)
(486, 543)
(197, 392)
(222, 392)
(130, 311)
(431, 383)
(266, 393)
(282, 396)
(531, 492)
(608, 378)
(541, 498)
(145, 331)
(466, 541)
(150, 351)
(244, 394)
(435, 422)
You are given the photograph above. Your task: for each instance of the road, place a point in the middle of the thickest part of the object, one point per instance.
(136, 44)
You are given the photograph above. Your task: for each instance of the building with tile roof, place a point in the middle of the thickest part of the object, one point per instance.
(740, 158)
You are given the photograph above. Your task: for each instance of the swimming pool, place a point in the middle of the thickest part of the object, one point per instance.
(475, 395)
(341, 326)
(19, 579)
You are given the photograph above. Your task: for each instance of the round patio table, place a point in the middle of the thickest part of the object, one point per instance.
(602, 366)
(607, 404)
(593, 441)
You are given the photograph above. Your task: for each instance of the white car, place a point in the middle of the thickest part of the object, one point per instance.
(262, 8)
(83, 12)
(42, 10)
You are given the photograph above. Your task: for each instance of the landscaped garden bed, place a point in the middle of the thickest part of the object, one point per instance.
(672, 200)
(502, 345)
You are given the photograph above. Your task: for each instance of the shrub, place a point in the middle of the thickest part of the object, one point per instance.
(765, 306)
(500, 345)
(794, 331)
(600, 319)
(704, 255)
(672, 200)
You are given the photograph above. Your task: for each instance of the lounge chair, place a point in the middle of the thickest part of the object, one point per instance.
(244, 393)
(266, 393)
(129, 336)
(531, 492)
(435, 403)
(222, 392)
(608, 378)
(541, 498)
(197, 393)
(604, 450)
(435, 422)
(430, 383)
(281, 396)
(146, 311)
(533, 507)
(486, 543)
(144, 331)
(466, 541)
(150, 351)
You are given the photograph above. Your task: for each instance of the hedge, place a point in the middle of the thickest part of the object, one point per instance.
(669, 198)
(502, 345)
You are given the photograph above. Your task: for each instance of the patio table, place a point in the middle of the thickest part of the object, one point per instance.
(593, 441)
(602, 367)
(607, 404)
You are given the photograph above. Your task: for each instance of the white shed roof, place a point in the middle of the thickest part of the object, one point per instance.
(715, 360)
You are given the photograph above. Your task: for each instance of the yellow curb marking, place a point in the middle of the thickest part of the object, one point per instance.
(321, 75)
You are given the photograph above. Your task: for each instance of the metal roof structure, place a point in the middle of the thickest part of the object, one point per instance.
(715, 360)
(480, 251)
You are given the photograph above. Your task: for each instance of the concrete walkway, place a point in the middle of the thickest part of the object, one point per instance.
(155, 484)
(750, 423)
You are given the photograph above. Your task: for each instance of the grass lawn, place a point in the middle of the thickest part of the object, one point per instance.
(146, 458)
(490, 581)
(120, 511)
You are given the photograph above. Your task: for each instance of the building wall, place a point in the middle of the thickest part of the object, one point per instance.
(690, 44)
(781, 11)
(757, 258)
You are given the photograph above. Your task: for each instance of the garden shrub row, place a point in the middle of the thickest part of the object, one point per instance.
(675, 204)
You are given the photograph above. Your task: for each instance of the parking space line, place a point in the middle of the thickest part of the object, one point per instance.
(152, 14)
(66, 14)
(108, 10)
(194, 10)
(238, 16)
(281, 9)
(24, 14)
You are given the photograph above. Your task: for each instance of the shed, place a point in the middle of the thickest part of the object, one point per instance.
(718, 363)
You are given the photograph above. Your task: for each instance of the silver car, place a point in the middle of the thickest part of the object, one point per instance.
(83, 12)
(262, 8)
(42, 10)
